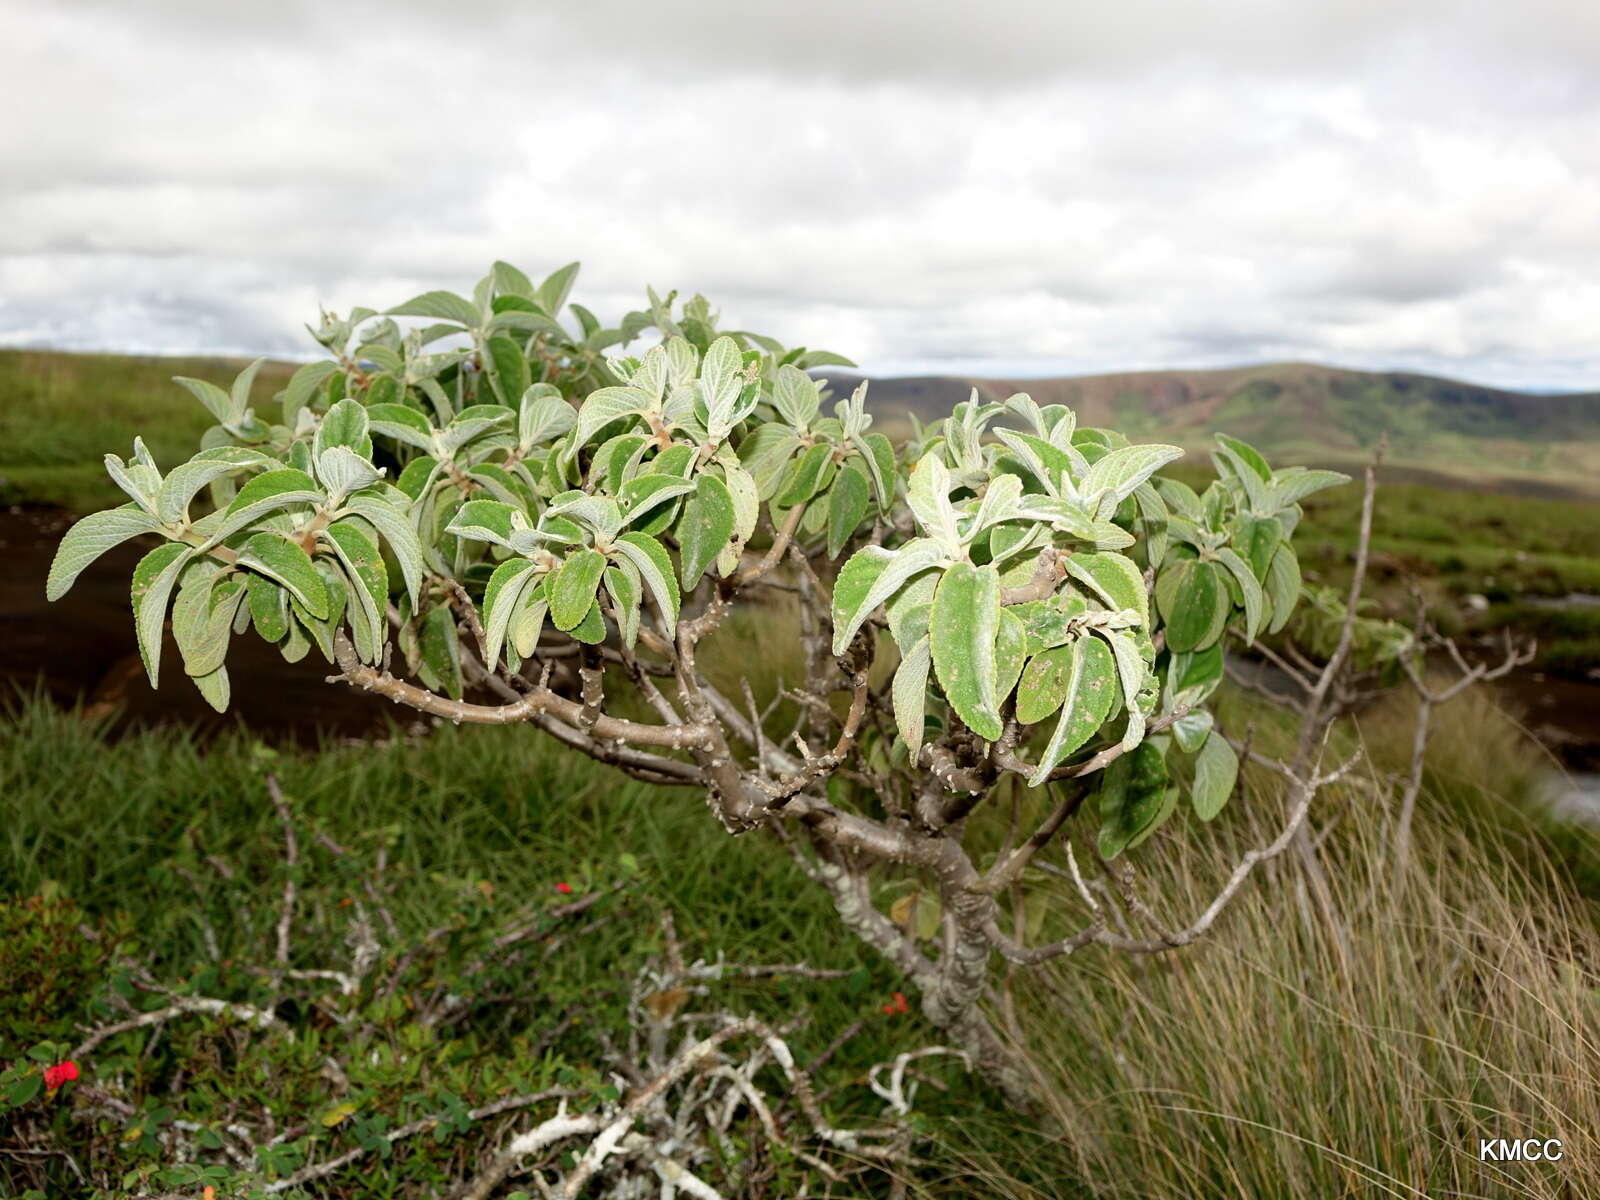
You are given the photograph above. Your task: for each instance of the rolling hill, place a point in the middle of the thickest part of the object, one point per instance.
(1301, 412)
(59, 413)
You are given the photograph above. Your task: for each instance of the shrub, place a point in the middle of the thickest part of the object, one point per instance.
(491, 499)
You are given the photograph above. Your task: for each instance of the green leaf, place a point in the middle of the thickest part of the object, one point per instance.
(1283, 586)
(91, 537)
(928, 495)
(766, 454)
(572, 586)
(720, 379)
(441, 306)
(1257, 540)
(847, 506)
(472, 423)
(440, 645)
(1247, 456)
(280, 487)
(369, 584)
(961, 632)
(1047, 681)
(509, 281)
(342, 471)
(746, 511)
(655, 568)
(152, 587)
(602, 407)
(910, 694)
(1114, 578)
(338, 585)
(600, 514)
(508, 370)
(266, 493)
(529, 618)
(202, 619)
(1089, 684)
(269, 607)
(805, 476)
(276, 557)
(218, 402)
(1134, 672)
(1191, 730)
(401, 423)
(643, 494)
(795, 396)
(1010, 652)
(1154, 521)
(396, 529)
(1215, 772)
(1233, 458)
(1049, 622)
(1250, 589)
(502, 600)
(705, 527)
(24, 1088)
(1193, 603)
(557, 286)
(346, 424)
(544, 415)
(871, 576)
(303, 387)
(592, 629)
(1118, 473)
(1191, 678)
(483, 521)
(622, 584)
(1047, 463)
(215, 688)
(179, 487)
(1133, 799)
(1294, 484)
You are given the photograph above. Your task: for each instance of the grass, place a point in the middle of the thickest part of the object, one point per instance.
(1285, 1058)
(60, 414)
(475, 824)
(1465, 1005)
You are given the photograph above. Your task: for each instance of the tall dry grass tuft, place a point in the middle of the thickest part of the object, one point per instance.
(1281, 1060)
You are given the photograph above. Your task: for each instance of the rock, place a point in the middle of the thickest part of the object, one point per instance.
(1475, 602)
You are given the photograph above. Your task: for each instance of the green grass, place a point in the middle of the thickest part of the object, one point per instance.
(1466, 995)
(60, 414)
(477, 824)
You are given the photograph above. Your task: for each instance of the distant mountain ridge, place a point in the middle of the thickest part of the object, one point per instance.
(1304, 412)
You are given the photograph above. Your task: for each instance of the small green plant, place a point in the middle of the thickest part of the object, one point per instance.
(494, 499)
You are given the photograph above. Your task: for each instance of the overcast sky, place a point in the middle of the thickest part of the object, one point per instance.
(1002, 188)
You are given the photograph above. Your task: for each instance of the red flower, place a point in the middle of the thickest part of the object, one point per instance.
(564, 888)
(61, 1073)
(898, 1005)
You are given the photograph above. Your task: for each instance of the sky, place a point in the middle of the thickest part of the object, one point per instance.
(1011, 189)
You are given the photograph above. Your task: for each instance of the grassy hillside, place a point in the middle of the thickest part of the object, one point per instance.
(1299, 412)
(60, 414)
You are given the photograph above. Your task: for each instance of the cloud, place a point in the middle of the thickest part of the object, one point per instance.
(1016, 188)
